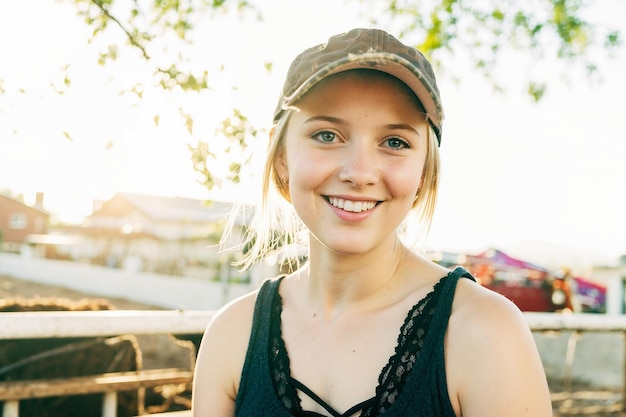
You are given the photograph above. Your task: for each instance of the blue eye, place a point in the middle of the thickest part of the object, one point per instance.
(397, 143)
(325, 136)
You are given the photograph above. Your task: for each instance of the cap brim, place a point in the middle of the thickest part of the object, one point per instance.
(391, 64)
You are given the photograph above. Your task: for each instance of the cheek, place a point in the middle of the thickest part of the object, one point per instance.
(308, 169)
(404, 181)
(307, 181)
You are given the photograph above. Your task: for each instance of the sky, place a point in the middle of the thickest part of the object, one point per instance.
(514, 171)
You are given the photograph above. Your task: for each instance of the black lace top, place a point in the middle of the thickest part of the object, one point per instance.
(411, 384)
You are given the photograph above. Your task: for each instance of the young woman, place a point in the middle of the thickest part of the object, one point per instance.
(366, 327)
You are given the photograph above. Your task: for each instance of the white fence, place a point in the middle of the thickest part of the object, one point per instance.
(43, 324)
(30, 325)
(24, 325)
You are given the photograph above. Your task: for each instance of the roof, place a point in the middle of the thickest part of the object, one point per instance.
(177, 208)
(20, 203)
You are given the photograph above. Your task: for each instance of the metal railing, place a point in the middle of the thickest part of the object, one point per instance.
(32, 325)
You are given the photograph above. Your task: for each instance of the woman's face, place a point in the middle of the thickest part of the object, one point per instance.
(353, 157)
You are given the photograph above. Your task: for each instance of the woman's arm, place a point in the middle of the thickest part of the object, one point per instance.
(220, 360)
(493, 364)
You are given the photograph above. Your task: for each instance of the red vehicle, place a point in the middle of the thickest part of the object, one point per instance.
(531, 287)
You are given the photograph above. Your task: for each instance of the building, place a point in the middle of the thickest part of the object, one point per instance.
(167, 235)
(20, 225)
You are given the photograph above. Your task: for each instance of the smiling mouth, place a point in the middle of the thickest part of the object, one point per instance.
(351, 206)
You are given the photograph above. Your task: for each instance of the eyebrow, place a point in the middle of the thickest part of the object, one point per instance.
(336, 120)
(330, 119)
(402, 126)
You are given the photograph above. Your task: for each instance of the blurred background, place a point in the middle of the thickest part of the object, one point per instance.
(130, 130)
(533, 147)
(128, 123)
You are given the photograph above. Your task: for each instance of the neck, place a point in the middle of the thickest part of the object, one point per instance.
(340, 283)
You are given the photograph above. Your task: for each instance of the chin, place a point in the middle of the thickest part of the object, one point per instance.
(349, 248)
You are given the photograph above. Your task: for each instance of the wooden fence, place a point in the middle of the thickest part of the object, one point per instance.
(30, 325)
(51, 324)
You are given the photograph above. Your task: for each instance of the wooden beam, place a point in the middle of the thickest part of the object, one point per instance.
(109, 382)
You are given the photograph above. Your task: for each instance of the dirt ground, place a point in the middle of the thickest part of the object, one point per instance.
(160, 351)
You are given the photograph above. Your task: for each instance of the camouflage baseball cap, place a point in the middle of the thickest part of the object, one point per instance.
(369, 49)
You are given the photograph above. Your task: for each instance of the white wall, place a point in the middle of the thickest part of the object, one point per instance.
(158, 290)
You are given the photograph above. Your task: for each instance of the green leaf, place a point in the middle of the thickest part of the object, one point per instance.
(536, 90)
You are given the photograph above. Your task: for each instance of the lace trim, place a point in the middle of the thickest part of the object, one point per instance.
(279, 360)
(393, 376)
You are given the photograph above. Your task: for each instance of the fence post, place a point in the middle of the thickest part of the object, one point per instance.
(624, 375)
(11, 409)
(569, 359)
(109, 404)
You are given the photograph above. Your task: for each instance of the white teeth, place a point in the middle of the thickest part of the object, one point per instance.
(353, 206)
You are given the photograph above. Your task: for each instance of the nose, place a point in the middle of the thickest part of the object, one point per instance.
(358, 165)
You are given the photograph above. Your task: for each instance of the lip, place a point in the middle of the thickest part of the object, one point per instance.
(366, 207)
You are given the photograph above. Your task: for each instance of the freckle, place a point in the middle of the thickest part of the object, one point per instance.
(353, 350)
(314, 314)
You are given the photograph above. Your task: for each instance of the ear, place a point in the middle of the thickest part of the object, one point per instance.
(417, 193)
(419, 187)
(280, 165)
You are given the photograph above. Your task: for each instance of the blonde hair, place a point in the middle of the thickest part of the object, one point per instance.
(427, 194)
(276, 225)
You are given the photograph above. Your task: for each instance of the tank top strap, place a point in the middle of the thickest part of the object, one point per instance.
(439, 326)
(442, 313)
(263, 309)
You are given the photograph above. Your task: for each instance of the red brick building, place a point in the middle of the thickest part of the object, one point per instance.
(18, 221)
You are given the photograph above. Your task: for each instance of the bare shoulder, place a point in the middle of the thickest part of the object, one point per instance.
(483, 321)
(492, 362)
(228, 332)
(485, 310)
(221, 357)
(234, 319)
